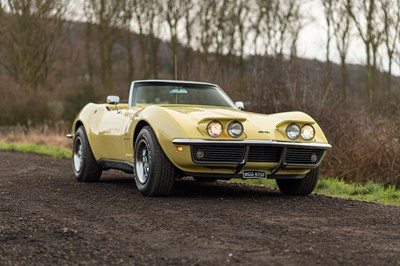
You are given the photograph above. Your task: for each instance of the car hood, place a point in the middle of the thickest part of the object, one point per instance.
(197, 114)
(257, 126)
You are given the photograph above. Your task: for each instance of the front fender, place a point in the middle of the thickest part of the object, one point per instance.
(166, 128)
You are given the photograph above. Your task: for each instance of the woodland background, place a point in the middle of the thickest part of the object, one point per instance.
(58, 55)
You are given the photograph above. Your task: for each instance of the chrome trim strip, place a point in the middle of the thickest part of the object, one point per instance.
(173, 81)
(323, 146)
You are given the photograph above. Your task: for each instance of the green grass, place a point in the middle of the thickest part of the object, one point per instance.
(326, 186)
(369, 191)
(338, 188)
(56, 152)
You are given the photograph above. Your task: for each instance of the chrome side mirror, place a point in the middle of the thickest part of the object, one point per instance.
(239, 105)
(112, 99)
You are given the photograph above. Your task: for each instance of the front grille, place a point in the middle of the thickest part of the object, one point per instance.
(303, 156)
(264, 154)
(218, 154)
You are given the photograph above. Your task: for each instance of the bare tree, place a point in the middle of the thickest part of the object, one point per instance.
(88, 46)
(188, 7)
(224, 37)
(266, 24)
(206, 22)
(328, 10)
(370, 28)
(30, 32)
(155, 24)
(278, 25)
(128, 38)
(391, 11)
(146, 17)
(108, 16)
(140, 14)
(342, 23)
(173, 14)
(297, 22)
(242, 19)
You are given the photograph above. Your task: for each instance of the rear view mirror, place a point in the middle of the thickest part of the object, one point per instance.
(112, 99)
(239, 105)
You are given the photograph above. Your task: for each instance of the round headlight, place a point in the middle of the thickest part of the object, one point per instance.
(214, 129)
(235, 129)
(293, 131)
(307, 132)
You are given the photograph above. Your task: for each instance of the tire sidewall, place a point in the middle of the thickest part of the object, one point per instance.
(144, 135)
(77, 137)
(83, 174)
(81, 135)
(300, 187)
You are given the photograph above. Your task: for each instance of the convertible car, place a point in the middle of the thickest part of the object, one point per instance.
(172, 129)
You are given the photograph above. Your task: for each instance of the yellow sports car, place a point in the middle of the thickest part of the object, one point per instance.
(170, 129)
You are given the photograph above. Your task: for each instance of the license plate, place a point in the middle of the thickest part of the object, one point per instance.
(254, 174)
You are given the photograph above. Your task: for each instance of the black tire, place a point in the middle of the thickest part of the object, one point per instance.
(204, 179)
(88, 170)
(299, 187)
(154, 173)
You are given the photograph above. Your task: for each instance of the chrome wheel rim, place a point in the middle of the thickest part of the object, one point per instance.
(78, 154)
(142, 162)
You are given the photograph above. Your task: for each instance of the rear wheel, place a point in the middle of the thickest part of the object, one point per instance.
(84, 164)
(154, 173)
(299, 187)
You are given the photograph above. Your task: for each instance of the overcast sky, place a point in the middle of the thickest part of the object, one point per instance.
(312, 40)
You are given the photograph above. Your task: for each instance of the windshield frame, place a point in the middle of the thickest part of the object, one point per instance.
(136, 84)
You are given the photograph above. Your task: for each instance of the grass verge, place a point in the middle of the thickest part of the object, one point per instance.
(368, 192)
(338, 188)
(56, 152)
(326, 186)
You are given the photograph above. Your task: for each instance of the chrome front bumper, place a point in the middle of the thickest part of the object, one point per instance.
(283, 158)
(322, 146)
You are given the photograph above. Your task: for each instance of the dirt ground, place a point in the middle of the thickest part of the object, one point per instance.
(48, 218)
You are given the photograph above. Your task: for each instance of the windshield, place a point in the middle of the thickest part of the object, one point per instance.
(180, 93)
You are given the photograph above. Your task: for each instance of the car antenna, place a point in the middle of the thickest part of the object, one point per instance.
(176, 67)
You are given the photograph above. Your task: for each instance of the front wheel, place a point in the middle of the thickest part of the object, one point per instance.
(299, 187)
(154, 173)
(84, 165)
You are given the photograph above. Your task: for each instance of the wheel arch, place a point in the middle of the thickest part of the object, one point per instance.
(141, 124)
(77, 124)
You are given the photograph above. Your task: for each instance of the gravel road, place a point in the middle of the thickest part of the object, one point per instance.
(48, 218)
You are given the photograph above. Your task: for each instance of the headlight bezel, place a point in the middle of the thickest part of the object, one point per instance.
(313, 132)
(289, 127)
(209, 129)
(229, 129)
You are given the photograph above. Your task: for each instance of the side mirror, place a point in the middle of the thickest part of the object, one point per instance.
(239, 105)
(112, 99)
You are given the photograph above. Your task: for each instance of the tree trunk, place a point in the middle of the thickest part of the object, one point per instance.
(130, 56)
(389, 75)
(343, 77)
(106, 64)
(89, 63)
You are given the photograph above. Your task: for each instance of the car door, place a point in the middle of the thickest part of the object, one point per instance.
(111, 130)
